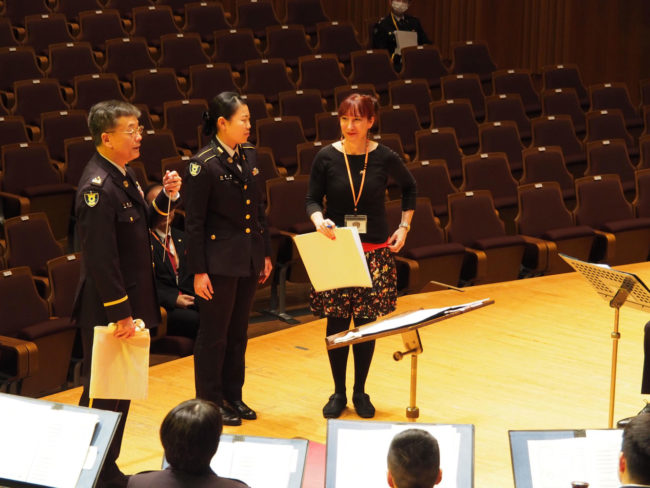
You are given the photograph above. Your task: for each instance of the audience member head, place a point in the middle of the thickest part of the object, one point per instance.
(399, 7)
(190, 435)
(356, 116)
(634, 461)
(414, 460)
(229, 118)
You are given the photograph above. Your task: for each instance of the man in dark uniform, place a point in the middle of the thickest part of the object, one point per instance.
(228, 251)
(117, 282)
(383, 35)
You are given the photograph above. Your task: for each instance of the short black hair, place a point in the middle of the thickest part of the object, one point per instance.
(103, 116)
(636, 448)
(414, 459)
(190, 435)
(223, 105)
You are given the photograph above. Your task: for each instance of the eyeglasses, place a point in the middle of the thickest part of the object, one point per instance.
(130, 132)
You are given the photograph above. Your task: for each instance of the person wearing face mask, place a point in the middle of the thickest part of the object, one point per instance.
(228, 251)
(383, 35)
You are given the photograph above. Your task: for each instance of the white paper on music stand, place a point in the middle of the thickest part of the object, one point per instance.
(258, 464)
(558, 462)
(404, 320)
(337, 263)
(361, 454)
(405, 39)
(42, 445)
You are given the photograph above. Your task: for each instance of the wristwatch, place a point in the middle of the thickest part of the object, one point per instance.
(405, 225)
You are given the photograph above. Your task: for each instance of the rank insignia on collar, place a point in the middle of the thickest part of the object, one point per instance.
(195, 169)
(91, 198)
(97, 180)
(255, 171)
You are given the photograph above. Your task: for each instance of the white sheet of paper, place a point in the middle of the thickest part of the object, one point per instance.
(338, 263)
(405, 39)
(402, 320)
(258, 464)
(361, 454)
(594, 459)
(42, 445)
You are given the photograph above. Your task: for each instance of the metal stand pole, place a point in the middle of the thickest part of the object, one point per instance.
(612, 383)
(413, 347)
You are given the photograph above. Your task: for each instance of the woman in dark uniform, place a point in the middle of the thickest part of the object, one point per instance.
(352, 175)
(228, 251)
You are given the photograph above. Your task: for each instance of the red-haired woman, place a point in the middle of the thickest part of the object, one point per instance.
(351, 175)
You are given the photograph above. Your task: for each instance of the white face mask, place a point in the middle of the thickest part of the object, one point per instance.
(399, 7)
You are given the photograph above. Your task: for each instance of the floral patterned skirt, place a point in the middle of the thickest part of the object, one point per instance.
(362, 302)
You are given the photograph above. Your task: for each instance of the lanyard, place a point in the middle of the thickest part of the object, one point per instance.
(394, 21)
(356, 197)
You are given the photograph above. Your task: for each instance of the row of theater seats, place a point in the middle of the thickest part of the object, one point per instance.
(187, 14)
(40, 350)
(475, 246)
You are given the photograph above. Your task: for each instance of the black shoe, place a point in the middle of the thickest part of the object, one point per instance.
(335, 406)
(362, 405)
(241, 409)
(623, 422)
(229, 417)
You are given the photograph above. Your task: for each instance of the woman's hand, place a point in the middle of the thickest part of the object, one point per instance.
(324, 226)
(203, 286)
(397, 240)
(266, 272)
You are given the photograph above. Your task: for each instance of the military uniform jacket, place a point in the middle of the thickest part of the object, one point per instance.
(383, 36)
(113, 219)
(172, 478)
(225, 223)
(168, 288)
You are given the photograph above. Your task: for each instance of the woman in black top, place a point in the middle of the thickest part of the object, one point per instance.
(351, 176)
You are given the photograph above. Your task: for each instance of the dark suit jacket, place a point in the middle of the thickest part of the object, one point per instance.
(113, 221)
(169, 478)
(225, 221)
(383, 35)
(166, 284)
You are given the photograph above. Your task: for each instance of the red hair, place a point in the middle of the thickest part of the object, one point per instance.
(358, 106)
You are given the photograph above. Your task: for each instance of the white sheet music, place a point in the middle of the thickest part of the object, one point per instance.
(42, 445)
(558, 462)
(361, 454)
(258, 464)
(404, 320)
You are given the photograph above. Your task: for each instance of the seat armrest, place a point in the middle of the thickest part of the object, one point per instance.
(540, 249)
(608, 241)
(413, 272)
(478, 259)
(18, 205)
(26, 357)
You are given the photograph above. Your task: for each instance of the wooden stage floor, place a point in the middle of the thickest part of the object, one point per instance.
(538, 358)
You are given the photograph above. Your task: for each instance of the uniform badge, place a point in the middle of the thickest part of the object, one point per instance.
(91, 198)
(97, 180)
(255, 171)
(195, 169)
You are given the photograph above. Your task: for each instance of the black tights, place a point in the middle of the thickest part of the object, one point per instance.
(339, 357)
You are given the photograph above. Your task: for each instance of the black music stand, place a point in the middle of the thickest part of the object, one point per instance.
(407, 324)
(618, 288)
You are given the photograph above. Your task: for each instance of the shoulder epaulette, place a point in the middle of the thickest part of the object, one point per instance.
(99, 179)
(247, 145)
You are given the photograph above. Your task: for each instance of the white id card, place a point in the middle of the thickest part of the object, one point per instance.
(358, 221)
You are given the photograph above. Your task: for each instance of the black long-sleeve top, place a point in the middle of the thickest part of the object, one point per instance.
(329, 180)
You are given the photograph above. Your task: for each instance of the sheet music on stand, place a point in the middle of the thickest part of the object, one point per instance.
(555, 458)
(51, 444)
(607, 281)
(356, 452)
(401, 322)
(260, 461)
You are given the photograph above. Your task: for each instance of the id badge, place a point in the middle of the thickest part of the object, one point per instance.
(358, 221)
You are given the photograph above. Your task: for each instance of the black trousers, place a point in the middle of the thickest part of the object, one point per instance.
(645, 380)
(222, 338)
(110, 469)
